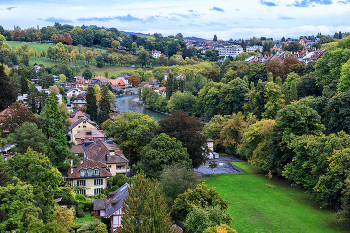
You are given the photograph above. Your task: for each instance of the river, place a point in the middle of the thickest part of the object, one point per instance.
(126, 104)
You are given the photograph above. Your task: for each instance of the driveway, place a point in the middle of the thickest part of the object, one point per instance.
(224, 166)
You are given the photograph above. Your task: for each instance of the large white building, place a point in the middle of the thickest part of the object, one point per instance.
(229, 50)
(254, 48)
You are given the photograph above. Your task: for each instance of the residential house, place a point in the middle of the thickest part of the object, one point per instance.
(89, 135)
(162, 91)
(90, 177)
(276, 48)
(100, 80)
(156, 53)
(24, 97)
(117, 84)
(77, 150)
(79, 101)
(167, 73)
(109, 153)
(73, 92)
(112, 207)
(254, 48)
(79, 126)
(178, 57)
(77, 115)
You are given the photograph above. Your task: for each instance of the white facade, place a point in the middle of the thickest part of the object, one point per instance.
(24, 97)
(231, 50)
(73, 92)
(254, 48)
(156, 53)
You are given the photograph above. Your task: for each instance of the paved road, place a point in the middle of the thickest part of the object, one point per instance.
(224, 166)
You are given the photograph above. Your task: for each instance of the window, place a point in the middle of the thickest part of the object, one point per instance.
(97, 191)
(84, 127)
(81, 191)
(88, 133)
(119, 167)
(81, 183)
(97, 172)
(98, 182)
(84, 122)
(89, 172)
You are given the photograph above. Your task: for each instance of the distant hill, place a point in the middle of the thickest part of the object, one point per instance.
(194, 38)
(135, 33)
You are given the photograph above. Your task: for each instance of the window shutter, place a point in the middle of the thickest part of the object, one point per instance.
(84, 183)
(94, 181)
(94, 191)
(77, 182)
(101, 181)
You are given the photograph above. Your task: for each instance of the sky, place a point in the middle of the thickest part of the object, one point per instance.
(200, 18)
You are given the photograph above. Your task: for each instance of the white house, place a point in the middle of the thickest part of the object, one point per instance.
(254, 48)
(73, 92)
(156, 53)
(24, 97)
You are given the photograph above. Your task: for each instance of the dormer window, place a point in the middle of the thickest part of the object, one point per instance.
(97, 172)
(89, 172)
(84, 122)
(82, 173)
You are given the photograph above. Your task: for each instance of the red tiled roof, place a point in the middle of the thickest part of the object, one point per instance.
(94, 133)
(117, 82)
(98, 150)
(88, 164)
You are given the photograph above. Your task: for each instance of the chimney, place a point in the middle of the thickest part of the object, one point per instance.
(71, 166)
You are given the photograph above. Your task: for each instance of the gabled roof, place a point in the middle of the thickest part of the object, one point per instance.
(97, 151)
(77, 149)
(88, 164)
(79, 121)
(117, 200)
(117, 82)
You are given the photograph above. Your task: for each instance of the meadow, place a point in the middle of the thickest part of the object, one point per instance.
(260, 204)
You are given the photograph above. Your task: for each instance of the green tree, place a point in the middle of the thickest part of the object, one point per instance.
(215, 38)
(195, 84)
(64, 217)
(200, 219)
(36, 169)
(169, 85)
(53, 129)
(101, 228)
(344, 81)
(338, 113)
(7, 91)
(91, 103)
(18, 208)
(214, 127)
(162, 151)
(186, 129)
(99, 61)
(274, 100)
(145, 208)
(293, 91)
(87, 74)
(176, 179)
(202, 196)
(104, 105)
(296, 119)
(183, 101)
(132, 132)
(143, 58)
(29, 135)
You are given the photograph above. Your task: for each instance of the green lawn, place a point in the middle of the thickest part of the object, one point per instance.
(38, 47)
(259, 204)
(114, 70)
(85, 221)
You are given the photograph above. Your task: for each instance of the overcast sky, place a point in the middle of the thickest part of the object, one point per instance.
(202, 18)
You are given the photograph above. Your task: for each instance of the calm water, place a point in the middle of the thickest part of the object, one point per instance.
(125, 104)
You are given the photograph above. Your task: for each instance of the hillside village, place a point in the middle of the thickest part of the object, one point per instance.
(261, 107)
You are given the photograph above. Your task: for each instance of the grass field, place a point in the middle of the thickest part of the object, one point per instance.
(114, 70)
(38, 47)
(85, 221)
(259, 204)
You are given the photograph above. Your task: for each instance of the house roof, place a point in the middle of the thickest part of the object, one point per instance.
(76, 115)
(97, 151)
(102, 79)
(4, 113)
(77, 149)
(117, 82)
(100, 204)
(119, 198)
(90, 133)
(88, 164)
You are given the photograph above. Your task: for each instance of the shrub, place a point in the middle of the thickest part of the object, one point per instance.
(222, 228)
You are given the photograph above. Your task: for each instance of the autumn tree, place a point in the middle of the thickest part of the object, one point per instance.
(134, 80)
(18, 114)
(7, 91)
(186, 129)
(285, 66)
(274, 66)
(66, 38)
(115, 44)
(145, 209)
